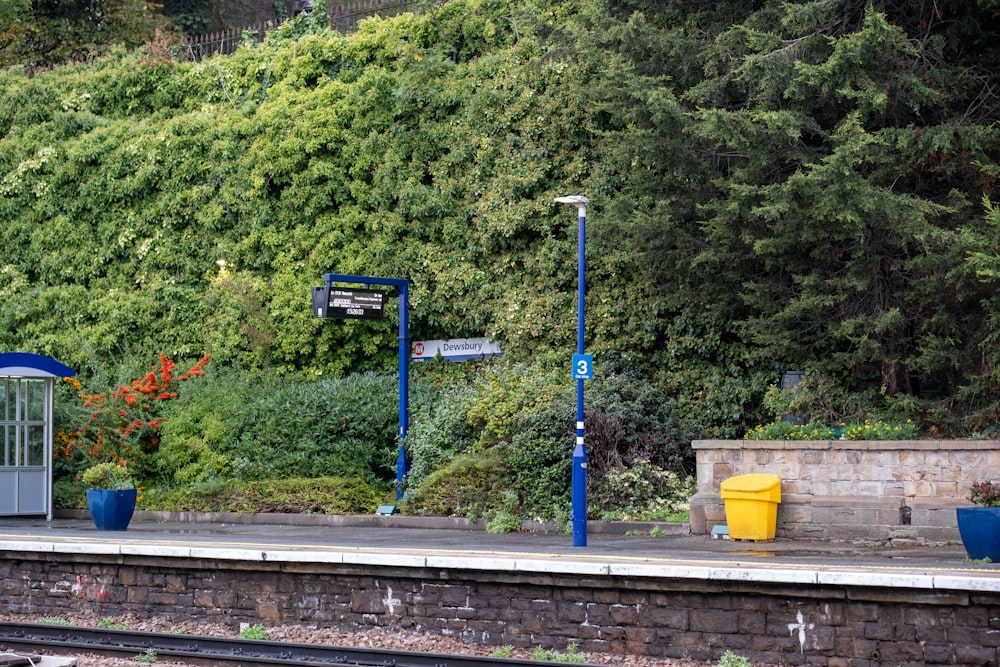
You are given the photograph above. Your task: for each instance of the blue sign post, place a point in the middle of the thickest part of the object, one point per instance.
(403, 285)
(582, 370)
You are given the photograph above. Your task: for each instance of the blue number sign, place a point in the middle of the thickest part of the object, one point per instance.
(583, 367)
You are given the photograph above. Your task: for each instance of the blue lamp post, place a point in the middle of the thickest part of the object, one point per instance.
(582, 370)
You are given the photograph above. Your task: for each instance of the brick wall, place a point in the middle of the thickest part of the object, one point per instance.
(821, 626)
(849, 488)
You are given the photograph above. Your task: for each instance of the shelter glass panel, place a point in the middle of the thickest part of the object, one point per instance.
(35, 445)
(36, 400)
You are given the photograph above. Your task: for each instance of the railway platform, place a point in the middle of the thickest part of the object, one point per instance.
(641, 589)
(667, 550)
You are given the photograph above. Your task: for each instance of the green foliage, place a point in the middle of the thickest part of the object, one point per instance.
(464, 486)
(324, 495)
(62, 30)
(250, 425)
(824, 398)
(108, 475)
(571, 655)
(148, 656)
(54, 620)
(441, 429)
(783, 430)
(520, 465)
(110, 623)
(879, 430)
(774, 185)
(640, 491)
(863, 430)
(730, 659)
(256, 631)
(504, 517)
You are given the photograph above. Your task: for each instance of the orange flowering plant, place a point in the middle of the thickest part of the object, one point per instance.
(122, 427)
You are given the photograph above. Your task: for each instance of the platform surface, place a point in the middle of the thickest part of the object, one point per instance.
(675, 553)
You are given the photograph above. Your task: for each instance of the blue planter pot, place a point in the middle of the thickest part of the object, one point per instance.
(980, 531)
(111, 509)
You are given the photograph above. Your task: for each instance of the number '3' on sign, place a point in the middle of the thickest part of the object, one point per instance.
(583, 367)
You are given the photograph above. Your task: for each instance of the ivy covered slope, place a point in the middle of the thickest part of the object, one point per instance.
(774, 185)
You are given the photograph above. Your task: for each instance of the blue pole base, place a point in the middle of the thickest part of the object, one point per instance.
(579, 490)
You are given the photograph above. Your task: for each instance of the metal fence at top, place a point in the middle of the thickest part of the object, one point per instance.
(343, 17)
(222, 42)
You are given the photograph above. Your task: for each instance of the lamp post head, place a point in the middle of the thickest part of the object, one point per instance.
(576, 200)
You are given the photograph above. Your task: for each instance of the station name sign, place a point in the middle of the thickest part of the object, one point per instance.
(455, 349)
(348, 303)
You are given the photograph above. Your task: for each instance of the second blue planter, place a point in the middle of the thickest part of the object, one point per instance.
(111, 509)
(980, 531)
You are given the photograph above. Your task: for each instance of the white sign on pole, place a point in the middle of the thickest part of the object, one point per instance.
(455, 349)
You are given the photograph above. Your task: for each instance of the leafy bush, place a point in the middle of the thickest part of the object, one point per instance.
(252, 425)
(638, 492)
(730, 659)
(123, 426)
(782, 430)
(823, 399)
(629, 419)
(108, 475)
(879, 430)
(440, 429)
(256, 631)
(866, 430)
(526, 417)
(504, 517)
(327, 495)
(572, 654)
(462, 487)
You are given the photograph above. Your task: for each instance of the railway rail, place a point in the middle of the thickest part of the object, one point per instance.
(224, 652)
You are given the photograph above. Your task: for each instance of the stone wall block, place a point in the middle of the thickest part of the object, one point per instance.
(714, 621)
(665, 617)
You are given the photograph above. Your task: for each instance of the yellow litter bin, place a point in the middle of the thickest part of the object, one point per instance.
(751, 505)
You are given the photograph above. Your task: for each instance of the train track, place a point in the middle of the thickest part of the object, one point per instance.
(70, 640)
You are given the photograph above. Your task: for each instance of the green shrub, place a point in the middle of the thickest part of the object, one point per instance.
(328, 495)
(108, 475)
(526, 417)
(256, 631)
(782, 430)
(865, 430)
(822, 398)
(504, 518)
(639, 492)
(629, 419)
(571, 655)
(879, 430)
(440, 429)
(251, 425)
(730, 659)
(462, 487)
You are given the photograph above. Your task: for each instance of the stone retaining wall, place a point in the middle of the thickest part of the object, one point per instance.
(815, 625)
(846, 489)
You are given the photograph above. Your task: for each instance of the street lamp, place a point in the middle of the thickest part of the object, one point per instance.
(582, 370)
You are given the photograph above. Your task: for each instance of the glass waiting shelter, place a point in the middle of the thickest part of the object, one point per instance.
(26, 397)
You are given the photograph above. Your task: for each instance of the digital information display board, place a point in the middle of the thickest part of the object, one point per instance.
(343, 303)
